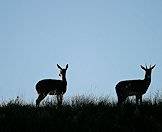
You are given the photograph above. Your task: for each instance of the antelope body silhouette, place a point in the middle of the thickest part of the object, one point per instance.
(134, 87)
(52, 87)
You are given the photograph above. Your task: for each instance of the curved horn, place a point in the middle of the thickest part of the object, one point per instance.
(66, 66)
(150, 66)
(153, 66)
(59, 67)
(143, 67)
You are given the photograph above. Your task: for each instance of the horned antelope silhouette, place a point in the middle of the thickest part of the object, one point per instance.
(134, 87)
(52, 87)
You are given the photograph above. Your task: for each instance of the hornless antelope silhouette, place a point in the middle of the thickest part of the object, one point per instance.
(52, 87)
(134, 87)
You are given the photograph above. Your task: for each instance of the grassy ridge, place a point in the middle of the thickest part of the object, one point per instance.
(81, 115)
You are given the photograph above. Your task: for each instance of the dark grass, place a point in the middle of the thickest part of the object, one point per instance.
(81, 114)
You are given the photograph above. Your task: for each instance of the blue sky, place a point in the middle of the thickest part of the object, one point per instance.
(103, 41)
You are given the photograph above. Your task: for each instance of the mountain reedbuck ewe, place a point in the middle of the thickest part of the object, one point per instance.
(134, 87)
(52, 87)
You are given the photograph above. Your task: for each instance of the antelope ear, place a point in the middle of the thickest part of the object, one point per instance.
(59, 67)
(67, 66)
(143, 67)
(153, 66)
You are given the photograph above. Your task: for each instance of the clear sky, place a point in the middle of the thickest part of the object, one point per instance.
(103, 41)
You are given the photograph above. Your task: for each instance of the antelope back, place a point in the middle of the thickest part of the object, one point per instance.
(47, 85)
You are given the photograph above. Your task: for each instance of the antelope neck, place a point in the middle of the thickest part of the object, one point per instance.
(64, 79)
(147, 79)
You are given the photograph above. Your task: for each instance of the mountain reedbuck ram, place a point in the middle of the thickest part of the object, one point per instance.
(134, 87)
(52, 87)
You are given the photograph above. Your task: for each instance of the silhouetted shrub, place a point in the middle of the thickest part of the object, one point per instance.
(81, 114)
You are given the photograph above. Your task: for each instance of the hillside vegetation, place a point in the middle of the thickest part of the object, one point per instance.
(81, 115)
